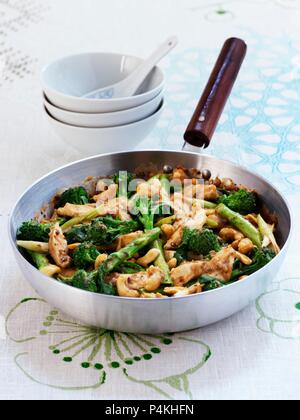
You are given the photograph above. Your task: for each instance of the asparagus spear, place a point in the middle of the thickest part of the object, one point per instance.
(161, 263)
(43, 264)
(41, 247)
(266, 230)
(117, 258)
(240, 223)
(166, 221)
(90, 215)
(207, 204)
(212, 224)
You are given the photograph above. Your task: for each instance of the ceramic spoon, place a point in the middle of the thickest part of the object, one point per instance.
(129, 86)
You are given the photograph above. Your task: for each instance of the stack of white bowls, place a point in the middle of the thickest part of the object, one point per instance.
(95, 126)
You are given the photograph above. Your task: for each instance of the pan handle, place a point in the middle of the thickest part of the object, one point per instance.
(209, 110)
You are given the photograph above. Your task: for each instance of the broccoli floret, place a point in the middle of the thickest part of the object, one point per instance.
(204, 242)
(102, 231)
(34, 231)
(85, 280)
(77, 234)
(98, 233)
(145, 212)
(260, 258)
(77, 195)
(105, 230)
(243, 202)
(201, 243)
(85, 255)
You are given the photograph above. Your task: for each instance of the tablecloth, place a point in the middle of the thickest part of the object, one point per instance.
(254, 354)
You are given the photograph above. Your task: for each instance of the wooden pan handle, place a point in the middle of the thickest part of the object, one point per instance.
(209, 110)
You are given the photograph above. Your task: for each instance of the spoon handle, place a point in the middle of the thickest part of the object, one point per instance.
(137, 77)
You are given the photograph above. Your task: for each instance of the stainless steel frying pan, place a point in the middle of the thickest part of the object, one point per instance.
(159, 315)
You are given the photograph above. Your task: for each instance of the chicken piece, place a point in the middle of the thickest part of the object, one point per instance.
(125, 240)
(183, 291)
(129, 285)
(220, 267)
(197, 219)
(117, 208)
(181, 205)
(106, 195)
(202, 191)
(146, 295)
(175, 239)
(58, 247)
(102, 185)
(150, 189)
(143, 189)
(75, 210)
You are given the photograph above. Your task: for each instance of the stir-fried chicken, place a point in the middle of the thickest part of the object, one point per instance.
(75, 210)
(195, 218)
(220, 267)
(176, 225)
(58, 247)
(202, 192)
(183, 291)
(106, 195)
(132, 285)
(176, 238)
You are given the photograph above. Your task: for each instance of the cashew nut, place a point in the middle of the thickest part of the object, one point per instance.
(252, 218)
(179, 173)
(100, 260)
(129, 285)
(168, 230)
(50, 270)
(124, 290)
(228, 184)
(235, 245)
(230, 234)
(149, 258)
(172, 263)
(245, 246)
(243, 258)
(169, 255)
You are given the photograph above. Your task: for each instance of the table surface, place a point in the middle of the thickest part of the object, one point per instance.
(253, 355)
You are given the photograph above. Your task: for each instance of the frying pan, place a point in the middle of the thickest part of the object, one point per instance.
(155, 316)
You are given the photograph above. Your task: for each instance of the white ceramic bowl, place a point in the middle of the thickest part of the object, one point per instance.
(108, 119)
(91, 141)
(66, 80)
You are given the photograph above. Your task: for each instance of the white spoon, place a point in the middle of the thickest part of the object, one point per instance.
(129, 86)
